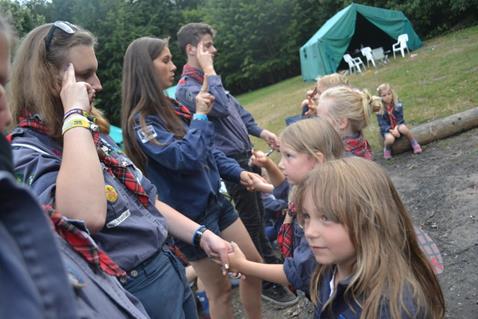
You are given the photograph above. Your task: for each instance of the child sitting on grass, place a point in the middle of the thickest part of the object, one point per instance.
(391, 122)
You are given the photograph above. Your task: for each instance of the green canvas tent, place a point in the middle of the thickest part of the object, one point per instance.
(347, 31)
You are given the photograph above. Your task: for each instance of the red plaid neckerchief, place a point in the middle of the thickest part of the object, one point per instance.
(121, 171)
(83, 244)
(182, 111)
(391, 116)
(358, 146)
(192, 72)
(285, 237)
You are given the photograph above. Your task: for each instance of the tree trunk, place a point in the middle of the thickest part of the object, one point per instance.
(438, 129)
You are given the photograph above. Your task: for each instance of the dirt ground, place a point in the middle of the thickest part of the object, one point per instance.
(440, 189)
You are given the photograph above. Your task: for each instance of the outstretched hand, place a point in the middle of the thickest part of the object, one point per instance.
(271, 139)
(75, 94)
(255, 182)
(216, 248)
(236, 257)
(258, 158)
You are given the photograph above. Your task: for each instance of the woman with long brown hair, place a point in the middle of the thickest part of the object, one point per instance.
(176, 150)
(61, 150)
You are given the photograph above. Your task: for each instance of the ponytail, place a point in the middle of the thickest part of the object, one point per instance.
(352, 104)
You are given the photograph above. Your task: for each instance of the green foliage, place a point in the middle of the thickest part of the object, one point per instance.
(258, 40)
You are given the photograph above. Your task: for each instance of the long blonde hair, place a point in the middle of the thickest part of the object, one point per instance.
(386, 87)
(313, 135)
(351, 104)
(36, 77)
(359, 194)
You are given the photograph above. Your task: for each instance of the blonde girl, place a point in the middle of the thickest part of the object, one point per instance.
(391, 122)
(348, 110)
(357, 228)
(304, 145)
(309, 105)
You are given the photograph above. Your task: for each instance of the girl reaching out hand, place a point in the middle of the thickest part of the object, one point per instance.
(358, 228)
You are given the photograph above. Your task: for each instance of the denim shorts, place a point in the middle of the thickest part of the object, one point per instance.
(219, 215)
(160, 284)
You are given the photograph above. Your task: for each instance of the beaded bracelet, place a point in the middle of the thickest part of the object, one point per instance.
(76, 111)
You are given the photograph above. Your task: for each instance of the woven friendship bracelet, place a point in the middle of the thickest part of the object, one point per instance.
(78, 121)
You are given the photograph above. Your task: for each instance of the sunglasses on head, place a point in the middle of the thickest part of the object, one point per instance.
(64, 26)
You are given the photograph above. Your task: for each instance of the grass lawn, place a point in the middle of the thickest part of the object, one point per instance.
(439, 80)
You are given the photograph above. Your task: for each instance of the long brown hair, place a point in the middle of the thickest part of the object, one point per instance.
(142, 95)
(359, 194)
(36, 78)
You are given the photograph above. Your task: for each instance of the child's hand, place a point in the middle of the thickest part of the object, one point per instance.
(258, 158)
(255, 182)
(236, 257)
(395, 132)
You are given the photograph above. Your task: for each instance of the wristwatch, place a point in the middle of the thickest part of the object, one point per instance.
(198, 235)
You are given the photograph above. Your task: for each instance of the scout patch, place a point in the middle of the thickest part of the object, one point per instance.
(111, 194)
(147, 134)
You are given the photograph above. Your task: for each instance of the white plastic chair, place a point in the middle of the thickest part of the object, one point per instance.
(401, 45)
(354, 63)
(367, 53)
(379, 55)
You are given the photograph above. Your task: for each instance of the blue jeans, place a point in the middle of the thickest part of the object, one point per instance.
(160, 284)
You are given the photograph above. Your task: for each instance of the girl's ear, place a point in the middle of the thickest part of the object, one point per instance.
(319, 157)
(343, 123)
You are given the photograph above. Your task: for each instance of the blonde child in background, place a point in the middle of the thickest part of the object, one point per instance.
(348, 110)
(357, 226)
(309, 105)
(391, 122)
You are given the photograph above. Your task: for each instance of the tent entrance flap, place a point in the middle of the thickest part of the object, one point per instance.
(366, 35)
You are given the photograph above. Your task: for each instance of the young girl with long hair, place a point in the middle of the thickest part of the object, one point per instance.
(391, 122)
(348, 110)
(61, 150)
(369, 263)
(175, 149)
(304, 145)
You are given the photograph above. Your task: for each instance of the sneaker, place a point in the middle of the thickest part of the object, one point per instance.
(417, 149)
(278, 295)
(387, 154)
(203, 304)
